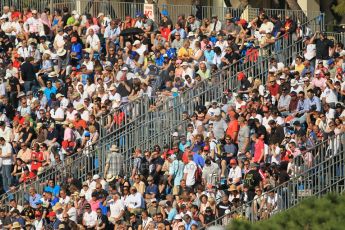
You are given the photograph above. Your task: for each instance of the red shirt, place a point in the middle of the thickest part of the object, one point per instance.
(119, 118)
(25, 178)
(232, 128)
(259, 149)
(35, 164)
(274, 89)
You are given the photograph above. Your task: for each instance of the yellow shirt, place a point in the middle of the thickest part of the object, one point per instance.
(184, 53)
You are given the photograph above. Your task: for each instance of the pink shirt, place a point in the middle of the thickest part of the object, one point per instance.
(68, 134)
(94, 205)
(321, 82)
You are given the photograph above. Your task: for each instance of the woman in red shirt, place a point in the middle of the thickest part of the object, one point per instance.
(258, 148)
(36, 157)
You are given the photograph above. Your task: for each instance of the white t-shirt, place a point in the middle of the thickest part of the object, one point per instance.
(6, 148)
(93, 41)
(116, 207)
(329, 95)
(90, 219)
(57, 114)
(310, 52)
(190, 169)
(235, 173)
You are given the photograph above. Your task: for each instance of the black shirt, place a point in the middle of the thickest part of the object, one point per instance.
(13, 82)
(121, 89)
(28, 71)
(245, 84)
(222, 207)
(322, 48)
(232, 56)
(252, 179)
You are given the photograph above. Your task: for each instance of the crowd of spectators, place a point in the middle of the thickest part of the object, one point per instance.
(63, 73)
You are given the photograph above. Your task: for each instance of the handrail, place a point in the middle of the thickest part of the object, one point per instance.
(105, 144)
(324, 165)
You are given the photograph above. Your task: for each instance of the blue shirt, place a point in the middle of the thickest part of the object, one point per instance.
(104, 209)
(310, 68)
(55, 191)
(176, 170)
(159, 61)
(172, 213)
(77, 48)
(151, 189)
(303, 106)
(183, 33)
(34, 199)
(315, 101)
(48, 91)
(188, 226)
(209, 55)
(198, 159)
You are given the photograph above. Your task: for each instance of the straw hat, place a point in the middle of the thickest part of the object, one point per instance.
(61, 52)
(16, 225)
(57, 207)
(228, 16)
(79, 107)
(232, 188)
(110, 178)
(53, 74)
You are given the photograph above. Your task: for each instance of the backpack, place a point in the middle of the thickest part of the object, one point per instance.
(144, 166)
(198, 174)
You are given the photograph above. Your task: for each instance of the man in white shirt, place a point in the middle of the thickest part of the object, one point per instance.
(59, 42)
(34, 25)
(216, 25)
(23, 50)
(89, 218)
(114, 97)
(266, 26)
(235, 174)
(5, 131)
(6, 157)
(189, 171)
(112, 34)
(134, 201)
(57, 113)
(93, 43)
(117, 208)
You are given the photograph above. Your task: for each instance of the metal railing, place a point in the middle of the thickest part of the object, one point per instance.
(277, 50)
(327, 175)
(121, 9)
(157, 125)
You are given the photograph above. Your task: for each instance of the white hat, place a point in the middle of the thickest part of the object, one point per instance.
(175, 134)
(174, 90)
(34, 11)
(100, 15)
(59, 95)
(293, 82)
(191, 34)
(74, 12)
(21, 94)
(95, 177)
(110, 177)
(79, 107)
(53, 74)
(305, 79)
(282, 77)
(124, 69)
(61, 52)
(178, 217)
(184, 63)
(112, 88)
(136, 42)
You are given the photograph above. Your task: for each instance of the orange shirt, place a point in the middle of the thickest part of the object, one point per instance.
(232, 128)
(80, 123)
